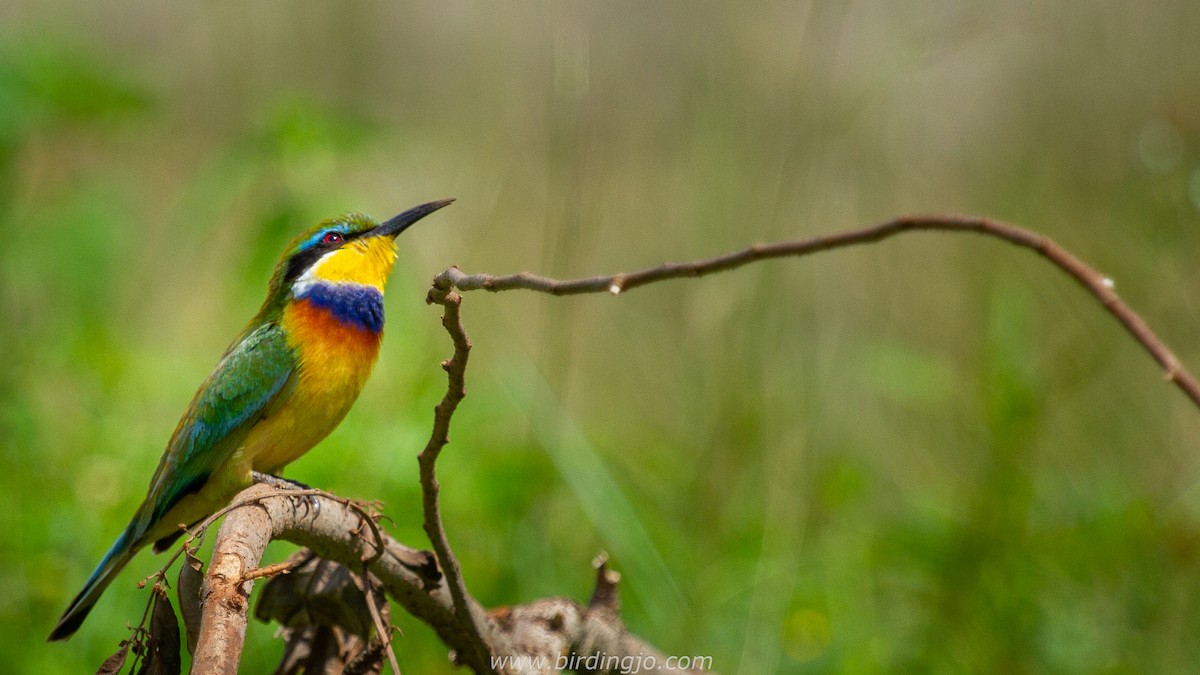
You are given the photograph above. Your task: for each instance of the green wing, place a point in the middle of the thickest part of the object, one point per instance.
(252, 376)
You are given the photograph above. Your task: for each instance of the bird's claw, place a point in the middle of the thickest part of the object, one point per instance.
(278, 482)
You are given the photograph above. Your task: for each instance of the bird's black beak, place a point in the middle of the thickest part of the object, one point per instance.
(400, 223)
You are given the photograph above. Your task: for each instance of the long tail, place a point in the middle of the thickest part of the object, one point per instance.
(116, 558)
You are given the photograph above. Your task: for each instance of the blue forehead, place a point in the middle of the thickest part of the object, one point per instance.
(341, 228)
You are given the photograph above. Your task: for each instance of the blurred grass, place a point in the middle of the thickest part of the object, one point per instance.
(932, 455)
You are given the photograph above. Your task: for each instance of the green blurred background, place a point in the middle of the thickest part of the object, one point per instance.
(931, 455)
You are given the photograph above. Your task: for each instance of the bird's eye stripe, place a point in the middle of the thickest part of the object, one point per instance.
(324, 238)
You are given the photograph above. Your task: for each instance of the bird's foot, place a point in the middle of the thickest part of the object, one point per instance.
(281, 483)
(278, 481)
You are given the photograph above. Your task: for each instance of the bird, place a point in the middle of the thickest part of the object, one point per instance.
(280, 388)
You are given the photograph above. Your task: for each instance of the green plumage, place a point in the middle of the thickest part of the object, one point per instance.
(239, 392)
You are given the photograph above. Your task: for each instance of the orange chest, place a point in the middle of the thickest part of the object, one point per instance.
(334, 358)
(334, 355)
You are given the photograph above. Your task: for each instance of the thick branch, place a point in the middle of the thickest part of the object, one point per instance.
(1100, 286)
(334, 531)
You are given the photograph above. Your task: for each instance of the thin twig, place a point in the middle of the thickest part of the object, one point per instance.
(271, 570)
(1099, 285)
(140, 632)
(480, 656)
(381, 628)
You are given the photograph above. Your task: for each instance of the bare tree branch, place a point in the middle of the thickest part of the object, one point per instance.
(332, 532)
(475, 644)
(549, 628)
(1100, 286)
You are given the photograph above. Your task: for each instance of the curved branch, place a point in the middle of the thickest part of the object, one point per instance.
(333, 531)
(1098, 285)
(475, 644)
(544, 628)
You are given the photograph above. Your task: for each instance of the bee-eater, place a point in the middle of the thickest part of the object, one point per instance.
(281, 387)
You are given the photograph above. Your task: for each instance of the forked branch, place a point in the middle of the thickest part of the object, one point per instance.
(551, 626)
(539, 632)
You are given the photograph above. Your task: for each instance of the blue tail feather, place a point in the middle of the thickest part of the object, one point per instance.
(114, 561)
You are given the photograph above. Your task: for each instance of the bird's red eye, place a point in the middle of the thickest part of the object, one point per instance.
(331, 238)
